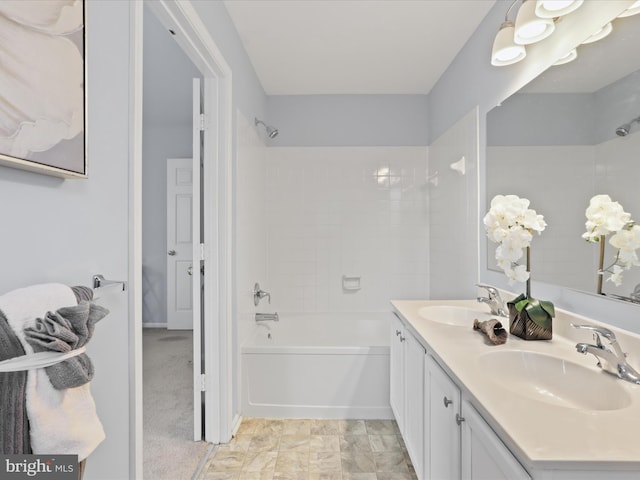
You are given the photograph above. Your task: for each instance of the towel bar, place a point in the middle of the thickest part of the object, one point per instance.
(100, 282)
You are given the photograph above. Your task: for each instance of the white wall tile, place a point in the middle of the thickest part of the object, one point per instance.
(356, 211)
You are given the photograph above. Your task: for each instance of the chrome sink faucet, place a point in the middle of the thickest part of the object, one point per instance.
(493, 300)
(611, 360)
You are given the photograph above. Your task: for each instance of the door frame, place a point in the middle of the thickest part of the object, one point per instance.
(193, 37)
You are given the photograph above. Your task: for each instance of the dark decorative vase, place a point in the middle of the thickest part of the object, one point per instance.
(530, 319)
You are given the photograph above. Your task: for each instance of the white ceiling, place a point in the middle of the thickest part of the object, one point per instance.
(304, 47)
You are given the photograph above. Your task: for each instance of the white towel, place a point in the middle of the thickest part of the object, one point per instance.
(61, 421)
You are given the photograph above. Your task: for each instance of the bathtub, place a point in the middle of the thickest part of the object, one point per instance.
(318, 366)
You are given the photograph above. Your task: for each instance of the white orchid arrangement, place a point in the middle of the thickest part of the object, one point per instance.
(606, 217)
(511, 223)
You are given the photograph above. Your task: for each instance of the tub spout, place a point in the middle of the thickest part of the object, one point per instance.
(266, 317)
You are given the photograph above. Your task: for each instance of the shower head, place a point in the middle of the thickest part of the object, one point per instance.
(271, 131)
(623, 130)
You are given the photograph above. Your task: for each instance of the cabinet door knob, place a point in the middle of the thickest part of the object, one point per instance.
(402, 339)
(171, 253)
(459, 419)
(398, 332)
(447, 402)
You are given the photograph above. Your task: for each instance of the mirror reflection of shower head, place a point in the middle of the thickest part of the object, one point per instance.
(623, 130)
(271, 131)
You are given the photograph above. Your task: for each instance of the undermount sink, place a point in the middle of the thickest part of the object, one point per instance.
(554, 380)
(454, 315)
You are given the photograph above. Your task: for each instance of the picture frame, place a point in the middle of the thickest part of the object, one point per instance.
(43, 108)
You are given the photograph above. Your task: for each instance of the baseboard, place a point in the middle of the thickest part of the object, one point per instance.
(154, 325)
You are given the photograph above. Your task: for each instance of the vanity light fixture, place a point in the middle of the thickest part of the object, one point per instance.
(634, 9)
(569, 57)
(600, 34)
(556, 8)
(529, 27)
(505, 50)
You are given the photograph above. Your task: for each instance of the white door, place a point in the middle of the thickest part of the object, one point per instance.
(179, 243)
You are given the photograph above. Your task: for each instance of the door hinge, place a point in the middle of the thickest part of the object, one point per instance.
(202, 252)
(202, 122)
(203, 383)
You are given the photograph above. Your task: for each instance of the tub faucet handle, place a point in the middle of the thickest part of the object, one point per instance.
(259, 294)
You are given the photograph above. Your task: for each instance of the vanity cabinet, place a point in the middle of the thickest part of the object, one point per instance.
(442, 409)
(484, 456)
(407, 390)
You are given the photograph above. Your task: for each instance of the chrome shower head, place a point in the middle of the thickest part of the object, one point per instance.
(271, 131)
(624, 129)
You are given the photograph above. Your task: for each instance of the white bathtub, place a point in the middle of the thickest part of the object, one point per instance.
(318, 366)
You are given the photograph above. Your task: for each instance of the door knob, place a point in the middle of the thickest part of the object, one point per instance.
(190, 270)
(447, 402)
(171, 253)
(459, 419)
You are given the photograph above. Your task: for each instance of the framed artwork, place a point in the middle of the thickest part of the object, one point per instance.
(42, 87)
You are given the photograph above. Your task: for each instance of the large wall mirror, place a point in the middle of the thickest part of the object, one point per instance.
(555, 143)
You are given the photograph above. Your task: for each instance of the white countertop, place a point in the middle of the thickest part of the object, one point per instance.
(540, 434)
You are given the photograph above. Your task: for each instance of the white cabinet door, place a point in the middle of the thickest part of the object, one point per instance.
(484, 456)
(396, 360)
(443, 413)
(414, 404)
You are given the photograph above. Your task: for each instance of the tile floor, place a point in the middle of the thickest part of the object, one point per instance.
(275, 449)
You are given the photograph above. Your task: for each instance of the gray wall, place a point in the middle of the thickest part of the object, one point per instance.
(348, 120)
(66, 230)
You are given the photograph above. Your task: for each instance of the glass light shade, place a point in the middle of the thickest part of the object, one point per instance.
(505, 51)
(556, 8)
(634, 9)
(529, 27)
(600, 34)
(569, 57)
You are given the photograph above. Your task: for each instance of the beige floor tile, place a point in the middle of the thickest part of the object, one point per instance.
(225, 461)
(264, 442)
(352, 427)
(266, 475)
(390, 462)
(292, 461)
(381, 427)
(357, 462)
(355, 443)
(270, 426)
(325, 427)
(384, 443)
(324, 462)
(359, 476)
(290, 476)
(294, 443)
(220, 476)
(259, 461)
(327, 476)
(396, 476)
(296, 427)
(324, 443)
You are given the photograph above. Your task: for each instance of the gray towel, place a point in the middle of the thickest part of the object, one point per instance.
(64, 330)
(14, 423)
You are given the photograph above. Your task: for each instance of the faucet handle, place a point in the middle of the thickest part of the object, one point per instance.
(605, 332)
(491, 290)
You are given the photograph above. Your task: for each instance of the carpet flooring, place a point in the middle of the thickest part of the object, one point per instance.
(169, 452)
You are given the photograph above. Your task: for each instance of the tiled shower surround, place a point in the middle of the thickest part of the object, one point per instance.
(266, 449)
(353, 211)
